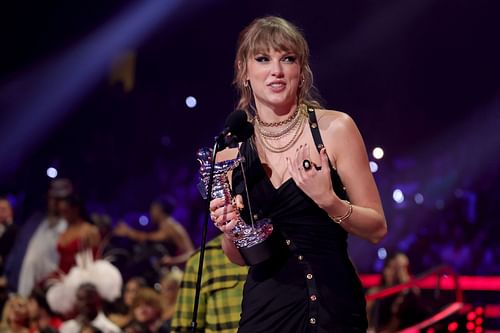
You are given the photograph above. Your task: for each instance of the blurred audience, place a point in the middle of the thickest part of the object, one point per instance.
(42, 319)
(400, 310)
(455, 252)
(169, 233)
(8, 231)
(88, 309)
(220, 298)
(8, 234)
(41, 257)
(90, 329)
(15, 317)
(451, 239)
(79, 235)
(147, 310)
(170, 284)
(123, 316)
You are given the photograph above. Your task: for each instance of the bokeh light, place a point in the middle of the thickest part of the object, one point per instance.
(373, 166)
(143, 220)
(419, 198)
(378, 153)
(52, 172)
(398, 196)
(382, 253)
(191, 102)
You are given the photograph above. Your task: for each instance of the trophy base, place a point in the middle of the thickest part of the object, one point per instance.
(257, 253)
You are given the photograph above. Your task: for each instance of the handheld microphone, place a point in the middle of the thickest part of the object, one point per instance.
(237, 129)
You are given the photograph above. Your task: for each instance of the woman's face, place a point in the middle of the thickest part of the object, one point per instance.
(130, 291)
(274, 77)
(68, 212)
(18, 311)
(5, 211)
(390, 273)
(145, 313)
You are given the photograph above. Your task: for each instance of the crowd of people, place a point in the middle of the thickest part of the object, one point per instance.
(152, 299)
(63, 286)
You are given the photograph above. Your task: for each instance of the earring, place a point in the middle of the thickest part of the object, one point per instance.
(301, 82)
(245, 83)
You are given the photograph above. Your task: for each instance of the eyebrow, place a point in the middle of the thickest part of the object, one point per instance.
(284, 53)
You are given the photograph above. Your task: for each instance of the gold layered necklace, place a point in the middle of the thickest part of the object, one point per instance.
(294, 128)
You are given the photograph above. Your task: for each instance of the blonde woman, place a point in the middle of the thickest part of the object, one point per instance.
(15, 317)
(308, 171)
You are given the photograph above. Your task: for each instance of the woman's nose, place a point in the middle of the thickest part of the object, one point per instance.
(277, 69)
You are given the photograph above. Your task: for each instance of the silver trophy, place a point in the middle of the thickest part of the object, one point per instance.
(250, 239)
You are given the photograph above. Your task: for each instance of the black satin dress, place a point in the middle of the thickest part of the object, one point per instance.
(310, 284)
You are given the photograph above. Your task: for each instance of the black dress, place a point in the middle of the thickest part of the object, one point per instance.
(310, 285)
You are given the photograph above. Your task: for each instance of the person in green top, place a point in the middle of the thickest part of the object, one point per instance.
(221, 292)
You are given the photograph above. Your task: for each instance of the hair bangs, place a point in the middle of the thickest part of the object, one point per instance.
(276, 38)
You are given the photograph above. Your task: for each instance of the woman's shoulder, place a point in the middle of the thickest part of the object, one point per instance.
(334, 120)
(89, 227)
(90, 231)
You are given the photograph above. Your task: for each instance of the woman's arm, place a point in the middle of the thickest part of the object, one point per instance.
(124, 230)
(182, 242)
(91, 237)
(345, 146)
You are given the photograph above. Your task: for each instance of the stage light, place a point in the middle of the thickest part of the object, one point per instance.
(378, 153)
(382, 253)
(191, 102)
(452, 327)
(398, 196)
(470, 326)
(419, 198)
(479, 321)
(143, 220)
(373, 166)
(471, 316)
(52, 172)
(479, 330)
(431, 330)
(479, 310)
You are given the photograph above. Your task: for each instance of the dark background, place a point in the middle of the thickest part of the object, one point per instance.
(420, 78)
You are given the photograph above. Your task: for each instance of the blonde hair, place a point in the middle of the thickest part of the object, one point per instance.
(150, 297)
(5, 321)
(267, 33)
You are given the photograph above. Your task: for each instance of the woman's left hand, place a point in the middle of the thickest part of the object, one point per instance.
(315, 182)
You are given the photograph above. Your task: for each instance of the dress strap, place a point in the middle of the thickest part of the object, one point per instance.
(318, 142)
(313, 124)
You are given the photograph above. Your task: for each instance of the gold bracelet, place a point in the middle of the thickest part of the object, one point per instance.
(340, 219)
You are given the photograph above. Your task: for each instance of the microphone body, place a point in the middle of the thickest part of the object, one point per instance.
(237, 129)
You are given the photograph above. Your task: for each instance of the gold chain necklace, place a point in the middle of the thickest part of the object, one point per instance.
(279, 134)
(279, 123)
(299, 128)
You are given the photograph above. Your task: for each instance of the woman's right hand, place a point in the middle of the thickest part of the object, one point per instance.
(225, 215)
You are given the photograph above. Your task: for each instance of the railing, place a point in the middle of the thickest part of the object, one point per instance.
(439, 272)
